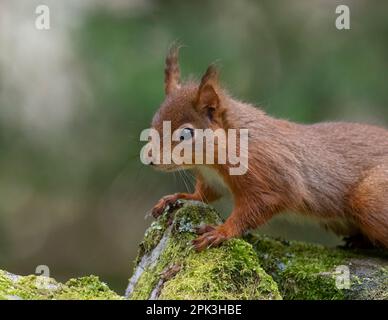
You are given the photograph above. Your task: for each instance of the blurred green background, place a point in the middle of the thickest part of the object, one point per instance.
(73, 100)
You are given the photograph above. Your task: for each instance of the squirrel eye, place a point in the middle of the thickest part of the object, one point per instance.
(186, 134)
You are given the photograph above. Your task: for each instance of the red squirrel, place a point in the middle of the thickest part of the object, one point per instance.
(335, 172)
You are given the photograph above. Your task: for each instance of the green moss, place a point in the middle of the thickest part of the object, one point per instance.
(228, 272)
(87, 288)
(152, 236)
(302, 271)
(42, 288)
(231, 271)
(307, 271)
(189, 214)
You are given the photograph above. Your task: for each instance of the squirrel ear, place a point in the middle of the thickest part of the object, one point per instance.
(172, 72)
(207, 92)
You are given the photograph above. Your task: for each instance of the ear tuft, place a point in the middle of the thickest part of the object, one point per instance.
(172, 70)
(208, 99)
(210, 76)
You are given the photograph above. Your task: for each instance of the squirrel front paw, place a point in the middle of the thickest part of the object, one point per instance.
(209, 236)
(166, 201)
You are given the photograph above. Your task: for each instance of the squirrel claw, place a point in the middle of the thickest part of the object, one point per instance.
(160, 207)
(203, 229)
(208, 239)
(157, 210)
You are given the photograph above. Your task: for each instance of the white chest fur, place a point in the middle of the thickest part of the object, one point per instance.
(213, 180)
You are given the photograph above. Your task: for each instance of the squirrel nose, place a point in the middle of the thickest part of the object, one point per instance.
(151, 163)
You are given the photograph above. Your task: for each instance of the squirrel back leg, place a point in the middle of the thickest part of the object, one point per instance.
(350, 232)
(369, 204)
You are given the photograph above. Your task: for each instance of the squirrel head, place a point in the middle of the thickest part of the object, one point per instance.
(187, 106)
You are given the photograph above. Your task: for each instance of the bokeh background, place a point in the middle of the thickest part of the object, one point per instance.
(73, 100)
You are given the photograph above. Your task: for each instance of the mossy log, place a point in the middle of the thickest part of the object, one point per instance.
(255, 267)
(308, 271)
(32, 287)
(168, 267)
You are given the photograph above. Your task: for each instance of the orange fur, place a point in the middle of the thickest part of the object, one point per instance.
(336, 172)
